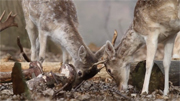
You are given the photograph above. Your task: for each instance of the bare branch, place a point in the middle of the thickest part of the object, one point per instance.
(22, 51)
(9, 22)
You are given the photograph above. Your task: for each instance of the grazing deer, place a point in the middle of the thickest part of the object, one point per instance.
(154, 21)
(57, 19)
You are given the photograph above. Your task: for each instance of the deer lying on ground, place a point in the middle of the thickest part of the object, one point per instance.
(57, 19)
(154, 21)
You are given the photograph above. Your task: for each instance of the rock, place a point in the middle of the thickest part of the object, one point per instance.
(48, 92)
(87, 85)
(6, 92)
(149, 96)
(156, 80)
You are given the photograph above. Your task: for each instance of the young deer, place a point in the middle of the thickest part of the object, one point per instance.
(57, 19)
(154, 21)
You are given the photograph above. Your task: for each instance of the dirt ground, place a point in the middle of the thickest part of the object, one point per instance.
(96, 89)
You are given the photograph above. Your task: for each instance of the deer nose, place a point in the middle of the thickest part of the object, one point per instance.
(80, 73)
(109, 71)
(122, 87)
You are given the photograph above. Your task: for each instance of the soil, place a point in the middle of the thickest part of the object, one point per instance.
(96, 89)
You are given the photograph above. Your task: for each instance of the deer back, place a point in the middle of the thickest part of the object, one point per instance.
(152, 14)
(47, 12)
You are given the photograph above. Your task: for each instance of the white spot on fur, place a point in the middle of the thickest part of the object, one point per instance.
(167, 5)
(65, 71)
(44, 77)
(63, 38)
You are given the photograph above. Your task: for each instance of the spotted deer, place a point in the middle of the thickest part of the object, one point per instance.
(57, 20)
(155, 21)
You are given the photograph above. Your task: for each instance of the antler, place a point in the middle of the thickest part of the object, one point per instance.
(9, 22)
(99, 62)
(114, 37)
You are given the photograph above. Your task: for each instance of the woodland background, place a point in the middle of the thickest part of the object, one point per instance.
(97, 21)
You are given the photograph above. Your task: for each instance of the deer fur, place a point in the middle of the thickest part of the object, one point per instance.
(140, 54)
(155, 21)
(57, 20)
(176, 50)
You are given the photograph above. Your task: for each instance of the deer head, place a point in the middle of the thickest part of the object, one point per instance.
(116, 67)
(86, 65)
(118, 59)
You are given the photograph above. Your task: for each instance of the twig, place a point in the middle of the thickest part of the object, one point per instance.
(57, 92)
(54, 77)
(22, 51)
(114, 37)
(78, 85)
(117, 92)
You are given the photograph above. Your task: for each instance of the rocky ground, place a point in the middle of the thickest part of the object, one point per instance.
(95, 89)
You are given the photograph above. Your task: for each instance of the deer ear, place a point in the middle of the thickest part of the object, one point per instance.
(82, 53)
(109, 49)
(100, 52)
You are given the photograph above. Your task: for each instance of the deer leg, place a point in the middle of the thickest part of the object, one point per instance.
(151, 43)
(42, 43)
(37, 46)
(30, 27)
(166, 62)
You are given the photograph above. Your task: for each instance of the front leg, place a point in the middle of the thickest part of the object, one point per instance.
(151, 43)
(43, 43)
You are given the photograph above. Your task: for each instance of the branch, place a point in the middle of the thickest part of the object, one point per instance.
(9, 22)
(47, 66)
(35, 70)
(22, 51)
(119, 93)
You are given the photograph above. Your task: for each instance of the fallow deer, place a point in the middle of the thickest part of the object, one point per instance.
(154, 21)
(57, 20)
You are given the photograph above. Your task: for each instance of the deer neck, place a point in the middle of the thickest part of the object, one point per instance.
(71, 40)
(129, 44)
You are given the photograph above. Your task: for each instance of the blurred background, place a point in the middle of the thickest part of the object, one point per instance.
(97, 21)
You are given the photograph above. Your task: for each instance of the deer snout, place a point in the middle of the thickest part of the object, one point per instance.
(122, 87)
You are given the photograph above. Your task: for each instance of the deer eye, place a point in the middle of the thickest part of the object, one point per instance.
(79, 73)
(109, 71)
